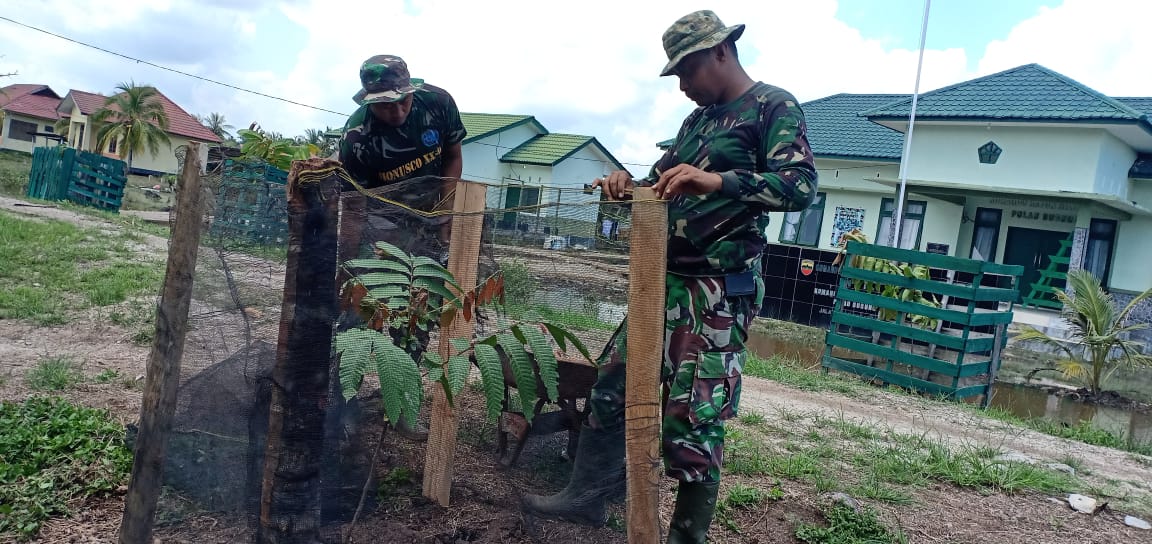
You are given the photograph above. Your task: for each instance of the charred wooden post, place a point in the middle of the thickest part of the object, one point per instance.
(290, 497)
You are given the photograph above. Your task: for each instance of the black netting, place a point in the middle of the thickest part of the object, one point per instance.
(262, 423)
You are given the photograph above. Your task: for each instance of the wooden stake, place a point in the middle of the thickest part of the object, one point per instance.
(463, 254)
(162, 377)
(290, 496)
(646, 292)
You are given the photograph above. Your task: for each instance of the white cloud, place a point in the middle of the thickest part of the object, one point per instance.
(1104, 44)
(589, 67)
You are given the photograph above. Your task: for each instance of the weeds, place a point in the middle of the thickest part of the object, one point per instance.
(849, 526)
(52, 452)
(54, 374)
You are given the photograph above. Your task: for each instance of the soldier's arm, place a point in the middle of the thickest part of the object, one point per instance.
(789, 183)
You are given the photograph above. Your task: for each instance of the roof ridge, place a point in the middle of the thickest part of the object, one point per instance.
(947, 88)
(1089, 91)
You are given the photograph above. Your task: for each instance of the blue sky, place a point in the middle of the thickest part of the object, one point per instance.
(967, 24)
(590, 70)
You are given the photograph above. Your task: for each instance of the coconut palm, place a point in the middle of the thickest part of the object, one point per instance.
(134, 118)
(217, 124)
(1097, 344)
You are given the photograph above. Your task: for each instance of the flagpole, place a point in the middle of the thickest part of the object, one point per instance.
(899, 218)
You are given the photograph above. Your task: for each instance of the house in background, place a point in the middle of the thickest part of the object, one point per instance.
(537, 168)
(28, 106)
(1024, 167)
(29, 116)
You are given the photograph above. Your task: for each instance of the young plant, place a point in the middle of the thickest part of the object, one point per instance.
(402, 299)
(1098, 327)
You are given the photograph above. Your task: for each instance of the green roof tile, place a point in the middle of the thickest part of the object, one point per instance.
(1028, 92)
(550, 149)
(1138, 103)
(836, 129)
(480, 125)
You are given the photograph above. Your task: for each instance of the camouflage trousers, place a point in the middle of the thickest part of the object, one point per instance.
(705, 329)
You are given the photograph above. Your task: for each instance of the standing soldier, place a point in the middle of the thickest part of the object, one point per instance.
(741, 154)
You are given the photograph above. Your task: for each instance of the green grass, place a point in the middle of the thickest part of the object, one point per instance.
(783, 371)
(52, 453)
(849, 526)
(564, 318)
(1081, 432)
(51, 270)
(54, 374)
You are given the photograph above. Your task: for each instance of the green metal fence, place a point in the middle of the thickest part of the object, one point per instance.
(89, 179)
(251, 203)
(953, 347)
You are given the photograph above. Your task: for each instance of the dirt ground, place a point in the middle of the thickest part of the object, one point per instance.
(485, 496)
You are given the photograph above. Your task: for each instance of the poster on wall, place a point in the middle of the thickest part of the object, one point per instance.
(844, 221)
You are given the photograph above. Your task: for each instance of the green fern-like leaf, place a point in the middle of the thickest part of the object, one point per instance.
(460, 344)
(356, 348)
(381, 279)
(435, 366)
(395, 253)
(458, 367)
(395, 295)
(522, 370)
(434, 270)
(545, 360)
(399, 383)
(378, 264)
(562, 336)
(492, 377)
(435, 287)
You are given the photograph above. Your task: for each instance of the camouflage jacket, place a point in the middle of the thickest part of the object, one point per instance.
(758, 145)
(376, 154)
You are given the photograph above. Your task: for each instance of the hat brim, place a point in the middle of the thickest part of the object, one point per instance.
(364, 98)
(735, 31)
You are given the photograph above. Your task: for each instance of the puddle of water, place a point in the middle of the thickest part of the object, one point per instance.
(1026, 402)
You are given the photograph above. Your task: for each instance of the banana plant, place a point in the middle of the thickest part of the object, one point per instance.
(401, 299)
(886, 266)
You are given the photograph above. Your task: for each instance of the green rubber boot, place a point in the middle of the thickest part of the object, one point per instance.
(695, 507)
(597, 476)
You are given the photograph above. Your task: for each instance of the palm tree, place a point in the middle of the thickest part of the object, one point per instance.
(134, 118)
(217, 124)
(1098, 328)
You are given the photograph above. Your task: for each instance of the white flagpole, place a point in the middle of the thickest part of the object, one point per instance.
(899, 217)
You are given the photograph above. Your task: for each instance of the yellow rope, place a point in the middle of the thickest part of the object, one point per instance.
(313, 176)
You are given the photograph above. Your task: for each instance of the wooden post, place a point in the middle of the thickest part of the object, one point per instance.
(646, 293)
(463, 255)
(290, 496)
(162, 377)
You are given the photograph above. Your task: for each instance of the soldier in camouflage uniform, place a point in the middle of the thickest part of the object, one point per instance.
(407, 131)
(741, 154)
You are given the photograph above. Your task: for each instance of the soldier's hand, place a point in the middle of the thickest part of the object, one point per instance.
(688, 180)
(616, 184)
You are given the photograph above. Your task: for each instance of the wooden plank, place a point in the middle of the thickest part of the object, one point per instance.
(930, 260)
(979, 294)
(893, 378)
(895, 329)
(290, 494)
(162, 377)
(879, 301)
(646, 301)
(893, 354)
(463, 257)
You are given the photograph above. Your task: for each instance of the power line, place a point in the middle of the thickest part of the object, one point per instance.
(142, 61)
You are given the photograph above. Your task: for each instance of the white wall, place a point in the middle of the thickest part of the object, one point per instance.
(482, 157)
(1116, 159)
(1033, 158)
(164, 161)
(7, 142)
(854, 174)
(1130, 270)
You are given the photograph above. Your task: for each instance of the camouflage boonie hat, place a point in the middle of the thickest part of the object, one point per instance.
(385, 78)
(694, 32)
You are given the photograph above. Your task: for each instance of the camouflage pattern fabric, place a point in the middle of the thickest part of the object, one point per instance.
(704, 334)
(758, 144)
(376, 154)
